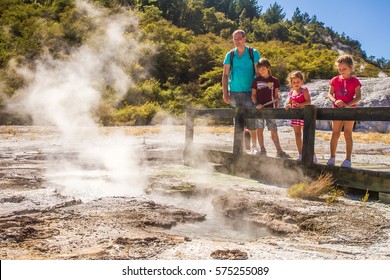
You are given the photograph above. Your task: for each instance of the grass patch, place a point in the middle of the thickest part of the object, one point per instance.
(365, 197)
(324, 185)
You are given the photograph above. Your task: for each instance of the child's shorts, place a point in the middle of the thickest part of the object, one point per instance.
(270, 123)
(297, 122)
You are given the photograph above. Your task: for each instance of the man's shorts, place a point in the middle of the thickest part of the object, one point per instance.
(244, 99)
(271, 124)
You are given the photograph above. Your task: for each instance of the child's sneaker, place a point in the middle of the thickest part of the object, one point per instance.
(314, 159)
(300, 157)
(346, 163)
(282, 154)
(331, 161)
(255, 151)
(263, 153)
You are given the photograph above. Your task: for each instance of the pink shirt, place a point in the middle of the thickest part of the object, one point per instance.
(344, 89)
(299, 98)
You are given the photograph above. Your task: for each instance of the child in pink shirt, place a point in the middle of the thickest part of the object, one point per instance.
(298, 97)
(344, 92)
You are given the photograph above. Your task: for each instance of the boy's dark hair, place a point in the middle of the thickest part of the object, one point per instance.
(263, 62)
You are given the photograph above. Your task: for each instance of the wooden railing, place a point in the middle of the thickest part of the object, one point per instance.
(310, 114)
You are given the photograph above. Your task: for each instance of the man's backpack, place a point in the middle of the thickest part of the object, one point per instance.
(250, 50)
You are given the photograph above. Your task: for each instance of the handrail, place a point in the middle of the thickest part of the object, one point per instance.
(359, 113)
(310, 113)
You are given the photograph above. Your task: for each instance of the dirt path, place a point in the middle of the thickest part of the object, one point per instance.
(179, 213)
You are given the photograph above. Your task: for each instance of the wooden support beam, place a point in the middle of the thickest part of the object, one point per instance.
(309, 134)
(239, 126)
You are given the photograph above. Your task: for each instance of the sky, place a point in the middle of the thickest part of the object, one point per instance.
(365, 21)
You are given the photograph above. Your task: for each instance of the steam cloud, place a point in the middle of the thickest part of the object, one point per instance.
(66, 93)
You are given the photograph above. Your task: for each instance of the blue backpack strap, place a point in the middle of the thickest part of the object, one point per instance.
(251, 55)
(231, 63)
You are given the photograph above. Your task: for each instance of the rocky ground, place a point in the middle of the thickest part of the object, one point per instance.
(55, 204)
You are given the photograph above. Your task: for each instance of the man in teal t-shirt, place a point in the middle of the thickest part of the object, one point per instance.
(237, 80)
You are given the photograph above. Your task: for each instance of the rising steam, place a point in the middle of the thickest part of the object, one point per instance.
(66, 94)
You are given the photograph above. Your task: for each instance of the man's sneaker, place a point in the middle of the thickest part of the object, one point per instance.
(346, 163)
(331, 161)
(282, 154)
(300, 157)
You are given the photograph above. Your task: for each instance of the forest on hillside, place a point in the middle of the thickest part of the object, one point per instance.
(190, 39)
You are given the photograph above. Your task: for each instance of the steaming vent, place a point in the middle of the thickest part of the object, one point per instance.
(66, 93)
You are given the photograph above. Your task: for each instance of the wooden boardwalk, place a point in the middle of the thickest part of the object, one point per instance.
(258, 168)
(365, 177)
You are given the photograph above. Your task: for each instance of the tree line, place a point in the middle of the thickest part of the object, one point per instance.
(191, 38)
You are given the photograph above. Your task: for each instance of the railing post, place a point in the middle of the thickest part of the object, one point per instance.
(309, 131)
(189, 135)
(239, 125)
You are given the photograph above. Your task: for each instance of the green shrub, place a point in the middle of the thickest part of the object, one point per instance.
(135, 115)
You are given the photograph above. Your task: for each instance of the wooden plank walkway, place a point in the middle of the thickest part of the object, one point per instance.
(376, 179)
(255, 167)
